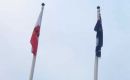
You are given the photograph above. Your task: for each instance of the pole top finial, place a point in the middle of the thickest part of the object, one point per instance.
(98, 7)
(43, 4)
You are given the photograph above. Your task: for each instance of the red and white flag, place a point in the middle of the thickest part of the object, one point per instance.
(36, 33)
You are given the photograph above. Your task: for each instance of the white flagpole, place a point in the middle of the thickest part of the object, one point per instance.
(34, 58)
(96, 58)
(96, 68)
(32, 68)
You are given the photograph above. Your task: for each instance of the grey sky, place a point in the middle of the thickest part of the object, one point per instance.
(67, 39)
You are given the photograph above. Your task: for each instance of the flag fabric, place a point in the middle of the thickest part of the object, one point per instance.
(99, 36)
(35, 34)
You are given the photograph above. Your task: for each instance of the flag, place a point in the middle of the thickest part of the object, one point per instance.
(99, 36)
(35, 34)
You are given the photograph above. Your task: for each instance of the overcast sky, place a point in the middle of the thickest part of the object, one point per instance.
(67, 39)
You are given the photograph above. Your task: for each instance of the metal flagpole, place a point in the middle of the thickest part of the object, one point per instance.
(96, 57)
(96, 68)
(34, 58)
(32, 68)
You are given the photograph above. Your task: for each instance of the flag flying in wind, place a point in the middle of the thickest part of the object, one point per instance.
(35, 34)
(99, 36)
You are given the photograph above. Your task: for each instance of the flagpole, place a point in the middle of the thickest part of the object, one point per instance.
(96, 57)
(32, 68)
(34, 59)
(96, 68)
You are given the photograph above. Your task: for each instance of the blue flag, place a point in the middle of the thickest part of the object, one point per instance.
(99, 36)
